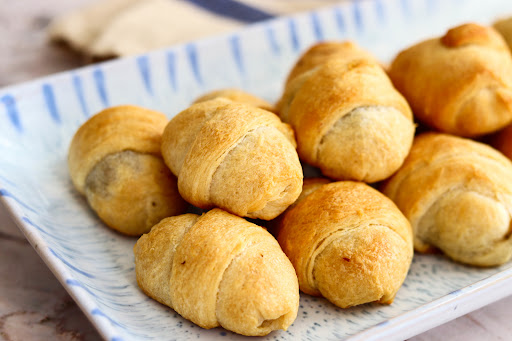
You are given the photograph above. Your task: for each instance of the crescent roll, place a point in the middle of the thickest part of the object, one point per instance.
(457, 194)
(504, 27)
(322, 52)
(218, 270)
(236, 95)
(114, 160)
(347, 243)
(233, 156)
(460, 83)
(349, 120)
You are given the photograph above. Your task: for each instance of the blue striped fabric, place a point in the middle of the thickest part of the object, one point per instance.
(233, 9)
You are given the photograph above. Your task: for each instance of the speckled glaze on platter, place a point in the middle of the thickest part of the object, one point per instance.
(95, 264)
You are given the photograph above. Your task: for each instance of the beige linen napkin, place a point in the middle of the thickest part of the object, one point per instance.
(125, 27)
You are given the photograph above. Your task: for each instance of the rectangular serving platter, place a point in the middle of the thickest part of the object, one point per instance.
(96, 266)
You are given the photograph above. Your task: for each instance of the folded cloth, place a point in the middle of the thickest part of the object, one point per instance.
(125, 27)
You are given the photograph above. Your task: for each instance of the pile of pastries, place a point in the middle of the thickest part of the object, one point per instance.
(236, 156)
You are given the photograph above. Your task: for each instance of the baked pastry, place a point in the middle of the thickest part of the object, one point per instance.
(347, 242)
(114, 160)
(218, 269)
(504, 27)
(349, 120)
(236, 95)
(322, 52)
(457, 194)
(460, 83)
(233, 156)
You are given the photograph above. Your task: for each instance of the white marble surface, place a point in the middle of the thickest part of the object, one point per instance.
(33, 305)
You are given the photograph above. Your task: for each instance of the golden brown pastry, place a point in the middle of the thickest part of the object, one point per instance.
(322, 52)
(233, 156)
(349, 120)
(460, 83)
(236, 95)
(114, 160)
(347, 242)
(504, 27)
(457, 194)
(218, 269)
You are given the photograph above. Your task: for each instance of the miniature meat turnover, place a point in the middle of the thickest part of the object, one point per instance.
(236, 95)
(348, 119)
(460, 83)
(115, 161)
(218, 269)
(347, 242)
(457, 194)
(233, 156)
(322, 52)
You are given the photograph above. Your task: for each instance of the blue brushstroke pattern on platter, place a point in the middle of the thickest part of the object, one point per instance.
(95, 264)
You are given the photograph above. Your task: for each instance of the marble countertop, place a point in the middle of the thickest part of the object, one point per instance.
(33, 304)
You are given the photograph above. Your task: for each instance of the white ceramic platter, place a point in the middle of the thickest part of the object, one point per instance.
(95, 265)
